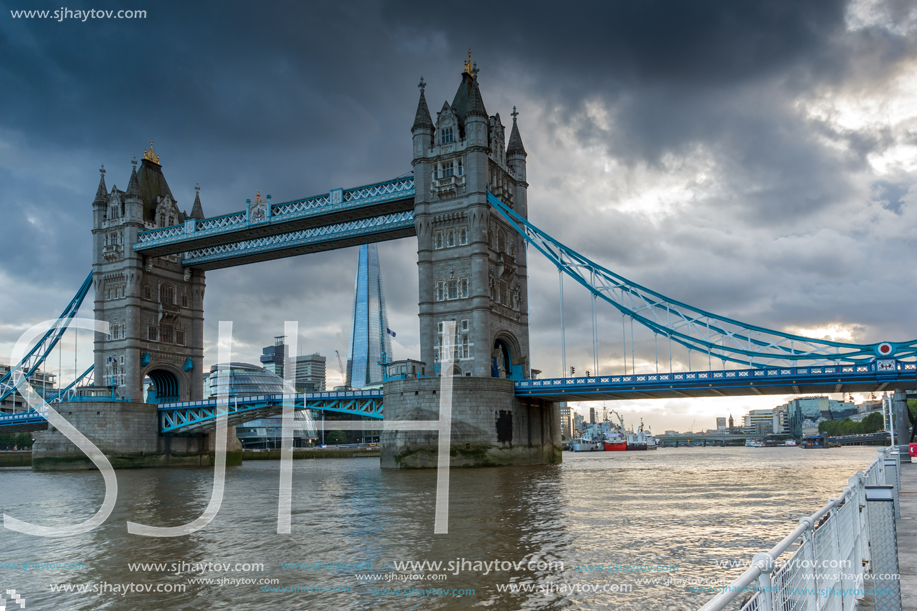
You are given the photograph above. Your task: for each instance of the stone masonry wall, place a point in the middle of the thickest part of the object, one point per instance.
(128, 434)
(490, 427)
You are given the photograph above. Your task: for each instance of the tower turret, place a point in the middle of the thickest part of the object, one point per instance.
(515, 159)
(197, 211)
(476, 121)
(133, 201)
(100, 201)
(423, 126)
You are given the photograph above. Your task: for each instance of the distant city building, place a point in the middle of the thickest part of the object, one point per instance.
(805, 413)
(566, 420)
(591, 415)
(243, 379)
(872, 405)
(45, 384)
(369, 331)
(310, 373)
(247, 379)
(721, 424)
(732, 427)
(759, 422)
(579, 423)
(272, 356)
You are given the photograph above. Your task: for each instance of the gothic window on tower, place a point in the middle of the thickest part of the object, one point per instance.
(165, 334)
(167, 294)
(451, 238)
(152, 335)
(184, 300)
(464, 326)
(465, 347)
(438, 239)
(453, 289)
(447, 135)
(439, 295)
(447, 170)
(460, 169)
(179, 337)
(162, 219)
(147, 293)
(463, 236)
(464, 284)
(171, 220)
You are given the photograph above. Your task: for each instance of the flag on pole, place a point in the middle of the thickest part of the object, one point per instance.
(390, 332)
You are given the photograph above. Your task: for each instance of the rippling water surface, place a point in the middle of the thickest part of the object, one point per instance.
(690, 509)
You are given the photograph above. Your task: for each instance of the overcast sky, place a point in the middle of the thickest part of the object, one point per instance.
(758, 160)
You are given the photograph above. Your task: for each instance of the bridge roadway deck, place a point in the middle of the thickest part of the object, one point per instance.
(725, 383)
(200, 416)
(907, 536)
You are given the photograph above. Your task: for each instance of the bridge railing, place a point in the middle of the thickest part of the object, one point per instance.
(726, 374)
(277, 398)
(827, 569)
(336, 199)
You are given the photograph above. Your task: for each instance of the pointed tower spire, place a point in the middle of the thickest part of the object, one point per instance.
(102, 191)
(475, 104)
(197, 211)
(133, 187)
(422, 118)
(515, 140)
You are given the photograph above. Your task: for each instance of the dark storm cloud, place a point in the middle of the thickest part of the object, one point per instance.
(773, 220)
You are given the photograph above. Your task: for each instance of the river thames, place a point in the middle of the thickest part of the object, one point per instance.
(633, 530)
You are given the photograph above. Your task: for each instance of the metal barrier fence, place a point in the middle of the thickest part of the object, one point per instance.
(833, 556)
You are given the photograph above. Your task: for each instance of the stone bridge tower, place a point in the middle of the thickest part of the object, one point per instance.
(155, 308)
(472, 270)
(472, 263)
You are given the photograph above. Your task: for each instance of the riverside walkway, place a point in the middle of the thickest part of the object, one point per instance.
(907, 536)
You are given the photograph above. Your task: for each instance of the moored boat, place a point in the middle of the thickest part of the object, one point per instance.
(615, 444)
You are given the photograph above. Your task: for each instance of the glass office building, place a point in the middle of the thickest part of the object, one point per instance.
(243, 379)
(369, 332)
(246, 379)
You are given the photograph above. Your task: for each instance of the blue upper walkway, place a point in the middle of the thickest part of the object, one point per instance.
(337, 219)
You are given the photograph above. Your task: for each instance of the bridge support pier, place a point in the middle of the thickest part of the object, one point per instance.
(128, 434)
(490, 425)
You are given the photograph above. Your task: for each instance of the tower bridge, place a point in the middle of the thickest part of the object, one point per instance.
(465, 202)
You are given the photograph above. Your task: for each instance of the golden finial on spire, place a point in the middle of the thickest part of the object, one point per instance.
(258, 199)
(150, 155)
(469, 68)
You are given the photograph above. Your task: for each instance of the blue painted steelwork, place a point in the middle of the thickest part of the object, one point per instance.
(200, 416)
(725, 339)
(68, 393)
(731, 382)
(22, 422)
(282, 214)
(37, 355)
(375, 227)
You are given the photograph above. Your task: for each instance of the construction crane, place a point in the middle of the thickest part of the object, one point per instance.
(692, 425)
(341, 368)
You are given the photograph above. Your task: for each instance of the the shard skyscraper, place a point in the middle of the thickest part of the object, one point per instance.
(369, 332)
